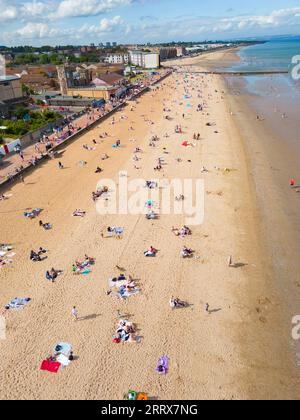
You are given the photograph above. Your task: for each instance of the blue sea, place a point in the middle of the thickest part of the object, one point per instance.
(274, 55)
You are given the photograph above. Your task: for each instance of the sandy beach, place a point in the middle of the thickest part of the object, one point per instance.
(241, 350)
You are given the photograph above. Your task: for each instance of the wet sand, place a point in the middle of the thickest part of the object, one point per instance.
(224, 355)
(274, 153)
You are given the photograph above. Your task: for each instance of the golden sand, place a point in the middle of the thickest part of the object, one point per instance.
(236, 352)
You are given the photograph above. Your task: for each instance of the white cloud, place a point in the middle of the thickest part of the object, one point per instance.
(7, 12)
(76, 8)
(35, 9)
(36, 30)
(45, 19)
(33, 31)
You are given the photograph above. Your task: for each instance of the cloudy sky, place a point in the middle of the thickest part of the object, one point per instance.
(40, 22)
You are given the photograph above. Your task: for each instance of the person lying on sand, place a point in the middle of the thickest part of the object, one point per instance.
(36, 256)
(151, 185)
(98, 170)
(46, 226)
(186, 252)
(79, 213)
(176, 303)
(3, 197)
(180, 198)
(151, 252)
(184, 231)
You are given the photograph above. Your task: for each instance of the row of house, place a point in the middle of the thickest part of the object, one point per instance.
(147, 59)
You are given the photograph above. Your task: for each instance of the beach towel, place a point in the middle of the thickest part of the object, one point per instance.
(63, 348)
(52, 367)
(163, 365)
(63, 360)
(86, 272)
(124, 294)
(18, 303)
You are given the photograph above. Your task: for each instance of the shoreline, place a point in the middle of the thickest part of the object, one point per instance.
(274, 309)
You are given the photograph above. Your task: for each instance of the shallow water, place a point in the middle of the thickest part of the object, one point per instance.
(275, 55)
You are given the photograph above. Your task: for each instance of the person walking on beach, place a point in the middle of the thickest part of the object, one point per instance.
(75, 313)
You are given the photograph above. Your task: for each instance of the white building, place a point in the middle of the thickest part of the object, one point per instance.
(144, 59)
(117, 59)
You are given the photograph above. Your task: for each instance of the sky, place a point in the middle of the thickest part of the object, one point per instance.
(81, 22)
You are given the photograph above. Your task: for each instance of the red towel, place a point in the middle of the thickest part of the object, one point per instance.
(50, 366)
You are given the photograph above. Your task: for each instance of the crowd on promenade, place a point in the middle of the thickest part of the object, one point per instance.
(69, 127)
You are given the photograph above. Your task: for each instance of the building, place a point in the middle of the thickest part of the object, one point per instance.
(181, 51)
(11, 93)
(165, 53)
(146, 60)
(87, 82)
(36, 78)
(114, 44)
(117, 58)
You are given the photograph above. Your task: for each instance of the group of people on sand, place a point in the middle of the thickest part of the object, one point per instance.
(37, 255)
(126, 332)
(184, 231)
(100, 191)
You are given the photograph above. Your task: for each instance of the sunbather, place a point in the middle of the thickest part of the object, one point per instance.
(180, 198)
(177, 303)
(34, 256)
(184, 231)
(79, 213)
(32, 214)
(46, 226)
(151, 252)
(186, 252)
